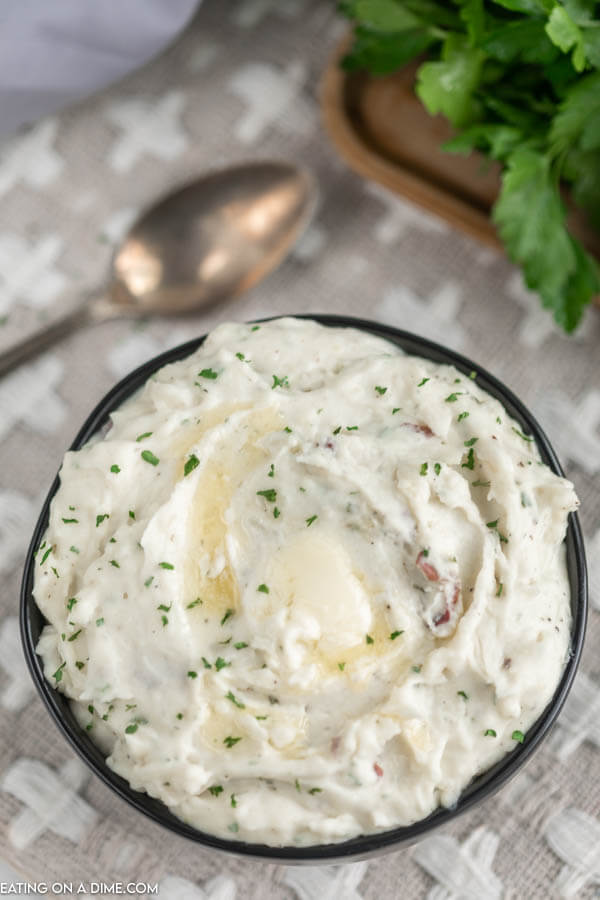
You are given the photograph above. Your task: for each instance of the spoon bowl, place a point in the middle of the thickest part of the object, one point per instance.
(209, 240)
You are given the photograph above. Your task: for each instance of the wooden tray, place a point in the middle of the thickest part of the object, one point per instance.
(381, 129)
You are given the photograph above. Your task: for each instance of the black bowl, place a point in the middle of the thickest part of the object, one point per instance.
(482, 787)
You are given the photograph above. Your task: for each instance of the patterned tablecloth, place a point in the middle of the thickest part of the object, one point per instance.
(242, 83)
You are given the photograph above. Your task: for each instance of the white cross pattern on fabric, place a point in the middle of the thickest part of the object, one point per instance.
(174, 888)
(17, 517)
(326, 882)
(272, 97)
(28, 271)
(249, 13)
(575, 838)
(151, 127)
(537, 324)
(203, 57)
(400, 216)
(17, 686)
(117, 225)
(51, 801)
(31, 158)
(435, 317)
(463, 870)
(573, 428)
(139, 346)
(594, 566)
(580, 719)
(29, 395)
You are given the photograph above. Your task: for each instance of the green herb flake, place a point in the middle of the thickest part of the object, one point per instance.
(423, 381)
(271, 472)
(260, 718)
(310, 520)
(149, 581)
(255, 328)
(228, 615)
(230, 696)
(395, 410)
(380, 390)
(74, 549)
(131, 514)
(208, 373)
(71, 603)
(493, 524)
(452, 398)
(99, 622)
(240, 356)
(525, 437)
(437, 468)
(423, 469)
(132, 728)
(230, 741)
(59, 673)
(192, 674)
(276, 512)
(337, 430)
(240, 645)
(101, 517)
(114, 563)
(416, 669)
(196, 602)
(79, 664)
(471, 442)
(480, 483)
(351, 427)
(470, 463)
(190, 464)
(71, 521)
(220, 663)
(263, 588)
(270, 494)
(179, 716)
(518, 736)
(149, 457)
(500, 589)
(164, 620)
(369, 639)
(316, 790)
(215, 790)
(297, 785)
(115, 468)
(287, 429)
(280, 382)
(74, 636)
(205, 663)
(473, 375)
(463, 694)
(396, 634)
(463, 415)
(489, 732)
(142, 437)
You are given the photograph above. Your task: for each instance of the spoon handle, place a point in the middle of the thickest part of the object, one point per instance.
(41, 340)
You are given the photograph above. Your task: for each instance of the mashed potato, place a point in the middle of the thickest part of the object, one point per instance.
(306, 587)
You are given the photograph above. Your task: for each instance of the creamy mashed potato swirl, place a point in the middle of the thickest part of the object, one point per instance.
(306, 586)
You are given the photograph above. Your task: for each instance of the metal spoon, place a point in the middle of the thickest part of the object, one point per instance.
(210, 240)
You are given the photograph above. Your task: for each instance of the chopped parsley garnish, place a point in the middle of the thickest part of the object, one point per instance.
(500, 589)
(79, 664)
(351, 427)
(471, 442)
(341, 666)
(55, 570)
(310, 520)
(437, 468)
(205, 663)
(337, 430)
(297, 784)
(75, 635)
(263, 588)
(115, 468)
(101, 517)
(470, 463)
(423, 469)
(255, 328)
(423, 381)
(462, 416)
(192, 674)
(416, 669)
(220, 663)
(71, 603)
(280, 382)
(149, 581)
(166, 565)
(142, 437)
(230, 696)
(489, 732)
(215, 790)
(113, 540)
(196, 602)
(261, 717)
(480, 483)
(287, 429)
(380, 390)
(179, 716)
(369, 639)
(518, 736)
(270, 494)
(231, 741)
(99, 622)
(74, 549)
(71, 521)
(276, 512)
(396, 409)
(234, 827)
(240, 645)
(493, 524)
(208, 373)
(131, 729)
(240, 355)
(396, 634)
(190, 464)
(525, 437)
(149, 457)
(316, 790)
(59, 673)
(233, 801)
(114, 563)
(463, 694)
(228, 615)
(452, 398)
(165, 620)
(271, 472)
(131, 514)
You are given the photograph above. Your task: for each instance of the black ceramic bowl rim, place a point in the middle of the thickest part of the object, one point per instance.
(482, 787)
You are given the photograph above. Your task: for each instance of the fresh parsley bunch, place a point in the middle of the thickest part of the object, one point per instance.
(519, 80)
